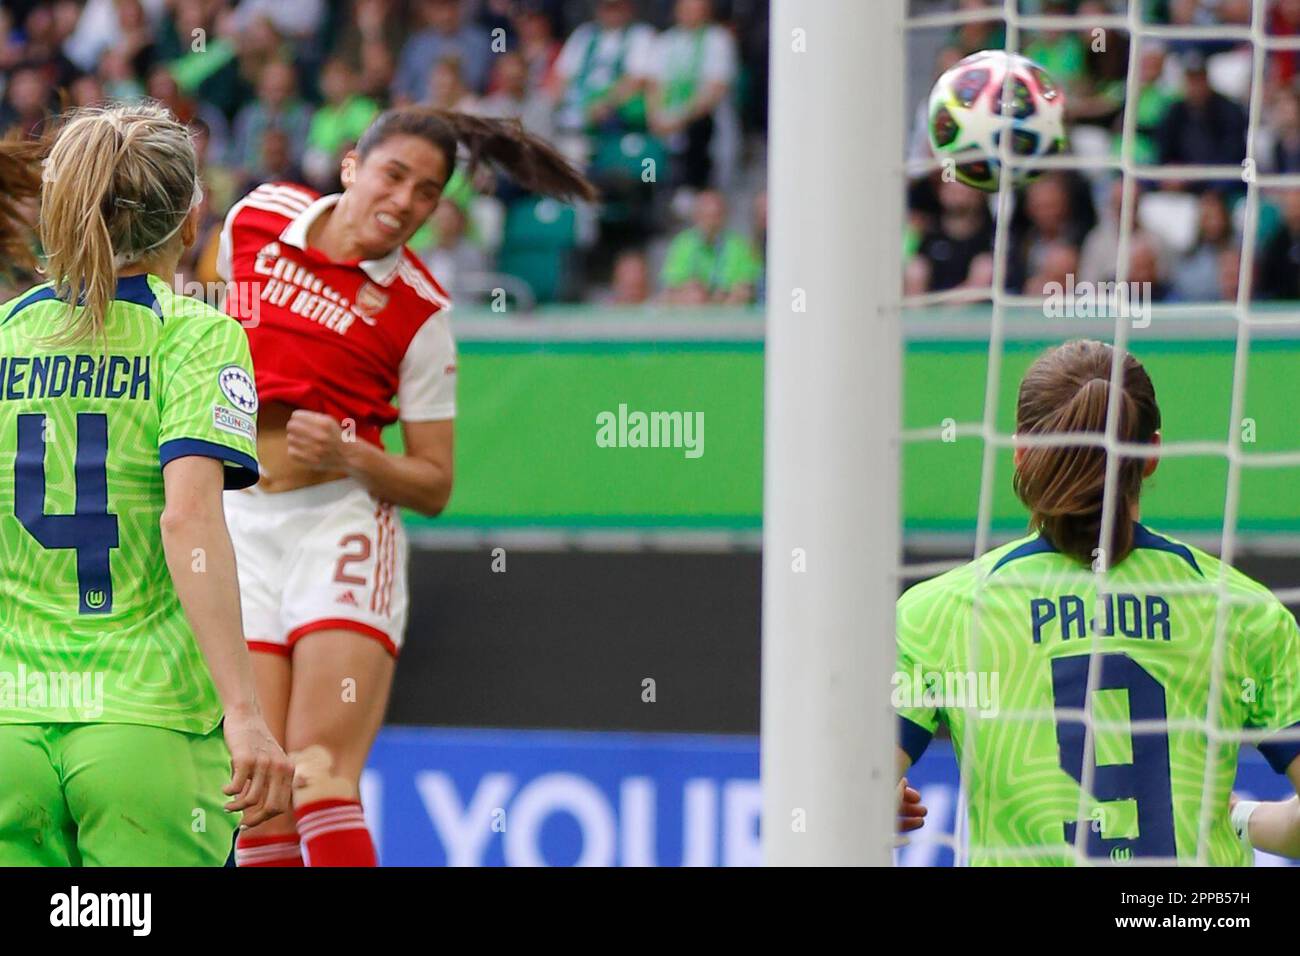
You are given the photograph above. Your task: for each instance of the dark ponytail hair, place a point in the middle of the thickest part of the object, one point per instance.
(20, 181)
(529, 160)
(1068, 390)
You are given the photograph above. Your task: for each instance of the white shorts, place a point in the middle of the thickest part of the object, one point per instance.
(320, 558)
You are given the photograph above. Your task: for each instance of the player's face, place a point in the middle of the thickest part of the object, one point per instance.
(394, 191)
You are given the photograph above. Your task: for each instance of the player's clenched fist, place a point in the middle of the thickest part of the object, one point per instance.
(315, 440)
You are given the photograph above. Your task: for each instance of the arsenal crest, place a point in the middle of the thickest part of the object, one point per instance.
(371, 299)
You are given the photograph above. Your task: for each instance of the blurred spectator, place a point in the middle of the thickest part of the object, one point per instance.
(1279, 151)
(1207, 13)
(1050, 218)
(1144, 266)
(708, 262)
(603, 70)
(204, 53)
(276, 162)
(1153, 104)
(1057, 261)
(26, 103)
(1099, 255)
(535, 39)
(121, 25)
(11, 46)
(220, 186)
(337, 123)
(961, 234)
(86, 90)
(294, 18)
(453, 257)
(45, 29)
(445, 36)
(1229, 274)
(1061, 53)
(981, 35)
(1284, 21)
(696, 67)
(367, 39)
(119, 79)
(1279, 265)
(1098, 93)
(498, 15)
(163, 87)
(377, 69)
(515, 98)
(630, 282)
(447, 91)
(276, 107)
(1197, 275)
(1204, 127)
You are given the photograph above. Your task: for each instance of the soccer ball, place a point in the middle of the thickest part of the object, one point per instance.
(966, 121)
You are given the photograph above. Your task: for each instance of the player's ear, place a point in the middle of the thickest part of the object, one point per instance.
(190, 228)
(1018, 455)
(1149, 468)
(348, 171)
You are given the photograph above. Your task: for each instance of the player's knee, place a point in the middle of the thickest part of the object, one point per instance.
(317, 775)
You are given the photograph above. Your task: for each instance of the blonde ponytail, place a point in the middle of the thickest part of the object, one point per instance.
(116, 188)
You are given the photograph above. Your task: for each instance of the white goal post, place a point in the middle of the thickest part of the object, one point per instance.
(831, 530)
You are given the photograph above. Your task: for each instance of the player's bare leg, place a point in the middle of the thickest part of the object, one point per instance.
(341, 683)
(275, 842)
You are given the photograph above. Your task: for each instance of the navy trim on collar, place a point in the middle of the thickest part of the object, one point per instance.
(1036, 545)
(40, 295)
(134, 289)
(1142, 538)
(1145, 538)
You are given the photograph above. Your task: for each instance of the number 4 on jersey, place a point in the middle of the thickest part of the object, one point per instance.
(90, 530)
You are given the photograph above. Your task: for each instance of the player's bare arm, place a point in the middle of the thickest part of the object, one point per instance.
(194, 524)
(1272, 826)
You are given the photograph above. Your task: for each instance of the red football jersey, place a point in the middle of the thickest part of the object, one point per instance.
(342, 338)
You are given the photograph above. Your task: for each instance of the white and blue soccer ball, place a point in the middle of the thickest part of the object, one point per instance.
(967, 119)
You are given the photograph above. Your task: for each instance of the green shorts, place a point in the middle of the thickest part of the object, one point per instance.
(113, 795)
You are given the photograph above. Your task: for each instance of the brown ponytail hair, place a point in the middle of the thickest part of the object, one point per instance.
(116, 184)
(529, 160)
(20, 181)
(1068, 390)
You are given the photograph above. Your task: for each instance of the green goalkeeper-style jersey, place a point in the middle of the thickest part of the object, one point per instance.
(91, 629)
(1000, 650)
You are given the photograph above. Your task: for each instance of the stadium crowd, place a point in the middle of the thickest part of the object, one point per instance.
(1192, 108)
(662, 102)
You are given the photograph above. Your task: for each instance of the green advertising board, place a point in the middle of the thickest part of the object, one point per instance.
(530, 452)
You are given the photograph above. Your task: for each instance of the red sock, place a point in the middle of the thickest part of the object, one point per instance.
(334, 834)
(268, 850)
